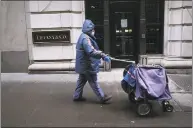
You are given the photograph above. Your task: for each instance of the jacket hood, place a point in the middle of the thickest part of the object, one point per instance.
(87, 26)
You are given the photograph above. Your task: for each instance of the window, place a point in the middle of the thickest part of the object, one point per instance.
(94, 11)
(154, 26)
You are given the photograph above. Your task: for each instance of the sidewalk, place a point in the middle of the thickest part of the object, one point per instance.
(114, 75)
(180, 85)
(184, 81)
(34, 100)
(184, 84)
(177, 83)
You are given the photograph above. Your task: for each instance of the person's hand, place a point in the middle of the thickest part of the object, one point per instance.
(107, 59)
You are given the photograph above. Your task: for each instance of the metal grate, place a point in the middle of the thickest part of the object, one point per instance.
(95, 12)
(154, 19)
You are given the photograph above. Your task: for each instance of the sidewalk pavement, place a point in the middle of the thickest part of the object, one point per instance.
(180, 85)
(46, 100)
(184, 81)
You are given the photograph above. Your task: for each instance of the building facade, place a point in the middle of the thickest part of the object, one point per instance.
(42, 35)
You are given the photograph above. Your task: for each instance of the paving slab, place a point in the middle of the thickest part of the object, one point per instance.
(184, 100)
(183, 81)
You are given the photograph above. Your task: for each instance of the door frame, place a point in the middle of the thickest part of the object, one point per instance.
(136, 26)
(141, 38)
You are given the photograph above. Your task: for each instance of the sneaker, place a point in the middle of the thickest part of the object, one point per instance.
(105, 99)
(80, 99)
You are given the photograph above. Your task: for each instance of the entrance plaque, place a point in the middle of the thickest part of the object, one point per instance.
(51, 37)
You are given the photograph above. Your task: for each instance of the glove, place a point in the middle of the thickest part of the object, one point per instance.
(107, 59)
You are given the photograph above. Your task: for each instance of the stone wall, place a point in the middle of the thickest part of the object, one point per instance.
(178, 29)
(13, 35)
(51, 16)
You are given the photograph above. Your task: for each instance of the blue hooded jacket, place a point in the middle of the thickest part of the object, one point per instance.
(88, 54)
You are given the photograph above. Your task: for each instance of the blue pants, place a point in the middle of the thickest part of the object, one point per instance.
(92, 80)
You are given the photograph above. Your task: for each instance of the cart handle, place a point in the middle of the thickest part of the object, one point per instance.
(121, 60)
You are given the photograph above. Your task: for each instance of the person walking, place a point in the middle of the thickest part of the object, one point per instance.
(88, 58)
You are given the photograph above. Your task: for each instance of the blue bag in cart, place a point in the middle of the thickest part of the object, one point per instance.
(130, 76)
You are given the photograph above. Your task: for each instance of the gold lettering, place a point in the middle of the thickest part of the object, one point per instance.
(56, 37)
(41, 37)
(44, 37)
(53, 37)
(63, 36)
(60, 37)
(48, 37)
(37, 37)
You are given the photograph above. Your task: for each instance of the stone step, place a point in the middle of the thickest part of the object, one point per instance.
(53, 66)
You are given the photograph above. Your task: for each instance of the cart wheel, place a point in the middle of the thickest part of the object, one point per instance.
(167, 107)
(131, 97)
(144, 109)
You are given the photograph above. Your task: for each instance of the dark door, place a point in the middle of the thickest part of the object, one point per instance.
(124, 22)
(94, 10)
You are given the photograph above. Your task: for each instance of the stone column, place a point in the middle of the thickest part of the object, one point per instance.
(178, 34)
(13, 44)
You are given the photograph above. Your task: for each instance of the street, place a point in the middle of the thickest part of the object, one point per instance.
(45, 100)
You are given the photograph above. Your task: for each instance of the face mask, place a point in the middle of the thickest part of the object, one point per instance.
(93, 33)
